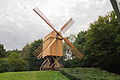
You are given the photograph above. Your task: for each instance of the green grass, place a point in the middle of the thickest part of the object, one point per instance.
(71, 73)
(33, 75)
(88, 74)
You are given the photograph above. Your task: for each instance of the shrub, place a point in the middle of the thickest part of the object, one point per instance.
(4, 65)
(16, 62)
(88, 74)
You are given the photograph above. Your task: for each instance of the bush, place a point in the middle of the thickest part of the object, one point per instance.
(88, 74)
(27, 53)
(16, 62)
(4, 65)
(72, 63)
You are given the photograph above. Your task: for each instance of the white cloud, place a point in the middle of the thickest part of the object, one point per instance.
(19, 24)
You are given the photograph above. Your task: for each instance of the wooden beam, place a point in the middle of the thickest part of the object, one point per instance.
(116, 9)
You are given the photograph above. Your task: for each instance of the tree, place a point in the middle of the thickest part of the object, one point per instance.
(8, 52)
(80, 41)
(2, 51)
(67, 49)
(4, 65)
(103, 44)
(16, 62)
(27, 53)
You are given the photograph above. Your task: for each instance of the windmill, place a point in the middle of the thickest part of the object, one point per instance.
(51, 49)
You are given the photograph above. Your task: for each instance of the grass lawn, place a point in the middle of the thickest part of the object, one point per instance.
(33, 75)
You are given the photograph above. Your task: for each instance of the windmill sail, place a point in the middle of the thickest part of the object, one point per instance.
(44, 18)
(67, 25)
(77, 53)
(38, 51)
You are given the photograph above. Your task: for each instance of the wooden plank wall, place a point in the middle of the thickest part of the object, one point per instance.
(55, 49)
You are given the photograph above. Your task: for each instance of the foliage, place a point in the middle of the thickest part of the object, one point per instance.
(71, 63)
(16, 62)
(88, 74)
(8, 52)
(103, 44)
(67, 49)
(100, 45)
(80, 41)
(33, 75)
(13, 61)
(27, 53)
(2, 51)
(4, 65)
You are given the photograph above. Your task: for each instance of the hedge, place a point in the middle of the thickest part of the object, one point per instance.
(88, 74)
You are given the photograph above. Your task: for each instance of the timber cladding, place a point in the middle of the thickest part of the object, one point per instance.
(56, 48)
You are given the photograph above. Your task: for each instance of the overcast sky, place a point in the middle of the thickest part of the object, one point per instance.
(19, 24)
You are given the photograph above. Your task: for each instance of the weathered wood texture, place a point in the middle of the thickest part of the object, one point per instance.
(56, 48)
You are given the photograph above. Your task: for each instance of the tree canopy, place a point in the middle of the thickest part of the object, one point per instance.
(27, 53)
(100, 44)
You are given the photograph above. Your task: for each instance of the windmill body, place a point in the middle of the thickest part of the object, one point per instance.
(56, 48)
(51, 49)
